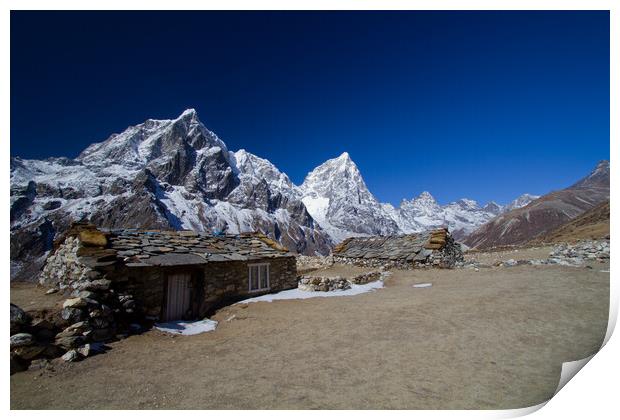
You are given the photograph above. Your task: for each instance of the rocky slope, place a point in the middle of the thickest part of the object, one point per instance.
(593, 224)
(337, 197)
(176, 174)
(167, 174)
(544, 214)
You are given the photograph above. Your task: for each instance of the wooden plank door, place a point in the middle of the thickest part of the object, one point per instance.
(178, 295)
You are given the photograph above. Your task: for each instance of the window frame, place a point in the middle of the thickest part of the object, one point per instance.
(258, 271)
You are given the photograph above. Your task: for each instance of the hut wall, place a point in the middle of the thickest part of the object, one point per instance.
(213, 284)
(227, 282)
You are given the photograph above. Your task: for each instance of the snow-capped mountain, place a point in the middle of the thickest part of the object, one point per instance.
(460, 217)
(337, 197)
(168, 174)
(521, 201)
(176, 174)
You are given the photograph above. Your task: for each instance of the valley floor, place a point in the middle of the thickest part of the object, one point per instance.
(488, 339)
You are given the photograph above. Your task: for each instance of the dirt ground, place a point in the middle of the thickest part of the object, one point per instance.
(30, 297)
(490, 257)
(490, 339)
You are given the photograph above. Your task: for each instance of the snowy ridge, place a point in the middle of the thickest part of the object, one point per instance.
(521, 201)
(177, 174)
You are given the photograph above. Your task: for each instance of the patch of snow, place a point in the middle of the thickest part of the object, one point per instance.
(422, 285)
(355, 289)
(187, 327)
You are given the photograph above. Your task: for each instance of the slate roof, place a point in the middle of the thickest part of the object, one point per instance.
(412, 247)
(169, 248)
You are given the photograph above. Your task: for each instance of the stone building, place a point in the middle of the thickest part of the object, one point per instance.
(169, 275)
(434, 248)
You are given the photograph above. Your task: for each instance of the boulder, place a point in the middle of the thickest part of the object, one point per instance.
(90, 349)
(75, 303)
(87, 294)
(21, 340)
(98, 285)
(68, 343)
(73, 315)
(93, 238)
(19, 319)
(79, 328)
(70, 356)
(79, 302)
(29, 352)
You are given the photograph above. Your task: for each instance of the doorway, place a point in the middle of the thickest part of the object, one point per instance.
(178, 296)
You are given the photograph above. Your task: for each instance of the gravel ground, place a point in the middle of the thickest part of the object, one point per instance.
(474, 340)
(534, 253)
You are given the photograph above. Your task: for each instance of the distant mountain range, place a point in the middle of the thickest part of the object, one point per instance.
(177, 174)
(544, 214)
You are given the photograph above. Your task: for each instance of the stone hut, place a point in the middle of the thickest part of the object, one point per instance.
(169, 275)
(434, 248)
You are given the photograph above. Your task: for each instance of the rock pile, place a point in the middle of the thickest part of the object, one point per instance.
(306, 263)
(366, 277)
(93, 315)
(323, 284)
(576, 254)
(63, 267)
(31, 338)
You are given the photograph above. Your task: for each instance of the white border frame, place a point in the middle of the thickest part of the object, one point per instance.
(593, 393)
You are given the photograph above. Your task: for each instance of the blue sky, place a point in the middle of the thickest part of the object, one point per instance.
(485, 105)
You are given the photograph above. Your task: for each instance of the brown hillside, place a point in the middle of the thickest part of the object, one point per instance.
(545, 214)
(593, 224)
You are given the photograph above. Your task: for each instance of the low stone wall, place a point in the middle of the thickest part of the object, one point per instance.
(323, 283)
(447, 257)
(366, 277)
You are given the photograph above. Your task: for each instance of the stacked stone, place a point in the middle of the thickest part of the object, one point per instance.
(366, 277)
(580, 251)
(64, 266)
(133, 247)
(436, 248)
(323, 284)
(306, 263)
(93, 315)
(31, 339)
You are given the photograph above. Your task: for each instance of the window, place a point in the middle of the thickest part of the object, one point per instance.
(258, 278)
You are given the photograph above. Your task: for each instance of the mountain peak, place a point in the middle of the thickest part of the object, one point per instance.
(492, 207)
(189, 112)
(467, 203)
(425, 195)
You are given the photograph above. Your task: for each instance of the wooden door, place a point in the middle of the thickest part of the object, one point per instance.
(177, 298)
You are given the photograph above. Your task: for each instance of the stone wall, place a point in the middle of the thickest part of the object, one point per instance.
(213, 284)
(323, 283)
(446, 257)
(64, 267)
(228, 281)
